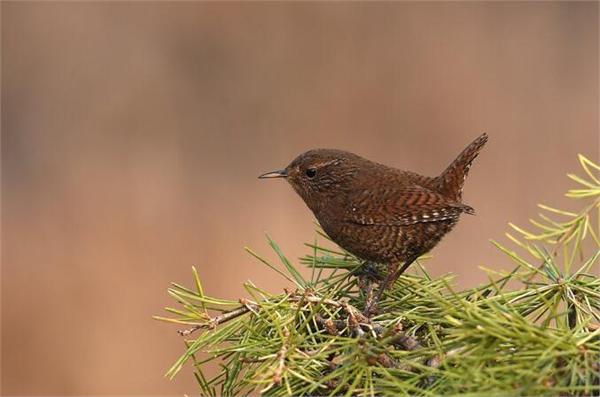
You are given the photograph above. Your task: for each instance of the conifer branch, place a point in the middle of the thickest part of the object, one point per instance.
(530, 331)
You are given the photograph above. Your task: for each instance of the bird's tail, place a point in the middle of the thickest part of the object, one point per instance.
(451, 181)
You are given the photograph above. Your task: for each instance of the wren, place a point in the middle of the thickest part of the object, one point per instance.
(379, 213)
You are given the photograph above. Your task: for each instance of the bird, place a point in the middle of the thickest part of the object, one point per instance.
(376, 212)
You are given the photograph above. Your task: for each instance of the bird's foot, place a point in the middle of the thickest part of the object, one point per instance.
(371, 299)
(371, 309)
(372, 273)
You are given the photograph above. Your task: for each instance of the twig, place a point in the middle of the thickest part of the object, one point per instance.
(281, 358)
(214, 321)
(253, 306)
(281, 355)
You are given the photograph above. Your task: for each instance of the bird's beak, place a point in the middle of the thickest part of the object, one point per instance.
(274, 174)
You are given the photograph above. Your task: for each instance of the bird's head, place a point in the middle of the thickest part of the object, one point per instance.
(319, 174)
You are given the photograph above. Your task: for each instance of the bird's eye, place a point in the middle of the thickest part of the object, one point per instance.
(311, 172)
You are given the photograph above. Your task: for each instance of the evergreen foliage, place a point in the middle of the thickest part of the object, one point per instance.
(531, 331)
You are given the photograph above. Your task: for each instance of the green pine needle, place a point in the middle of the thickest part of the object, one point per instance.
(542, 338)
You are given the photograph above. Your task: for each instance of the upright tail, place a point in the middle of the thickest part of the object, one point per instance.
(451, 181)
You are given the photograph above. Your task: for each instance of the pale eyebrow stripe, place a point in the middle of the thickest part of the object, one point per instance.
(327, 163)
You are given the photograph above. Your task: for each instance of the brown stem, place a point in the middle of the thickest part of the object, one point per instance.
(278, 372)
(213, 322)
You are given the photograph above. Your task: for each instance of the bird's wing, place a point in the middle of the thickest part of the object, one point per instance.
(401, 206)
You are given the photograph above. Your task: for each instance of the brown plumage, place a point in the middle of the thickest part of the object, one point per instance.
(376, 212)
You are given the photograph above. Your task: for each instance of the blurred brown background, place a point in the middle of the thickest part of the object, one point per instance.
(132, 135)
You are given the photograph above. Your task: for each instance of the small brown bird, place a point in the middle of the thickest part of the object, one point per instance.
(379, 213)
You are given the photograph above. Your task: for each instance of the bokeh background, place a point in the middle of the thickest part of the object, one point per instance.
(132, 135)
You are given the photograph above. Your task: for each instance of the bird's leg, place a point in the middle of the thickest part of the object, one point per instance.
(365, 284)
(389, 281)
(371, 306)
(367, 276)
